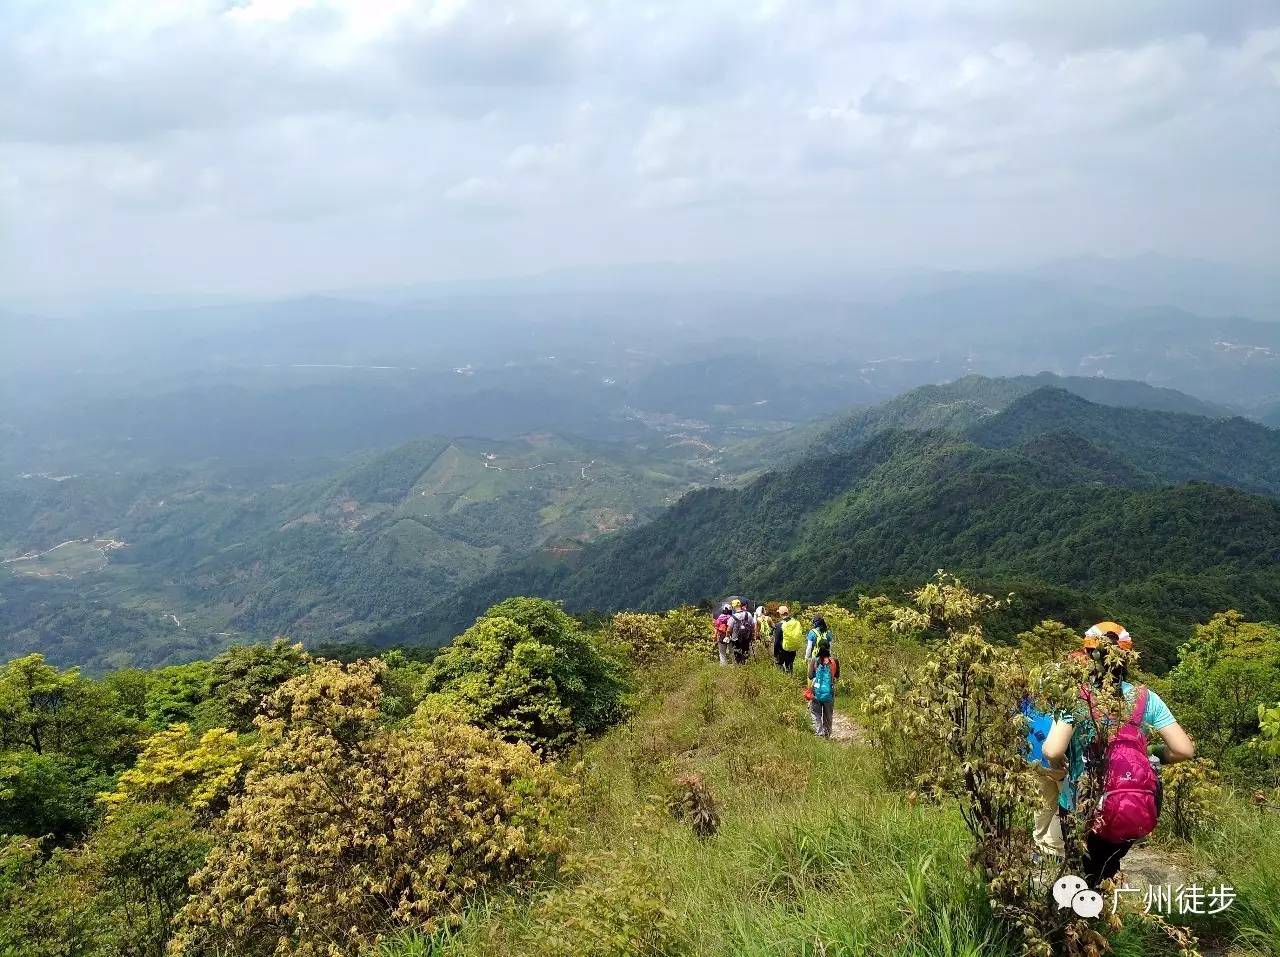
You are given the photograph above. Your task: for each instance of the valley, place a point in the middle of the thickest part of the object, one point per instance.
(404, 545)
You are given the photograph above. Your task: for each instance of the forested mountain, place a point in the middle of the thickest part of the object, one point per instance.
(102, 570)
(967, 401)
(107, 569)
(1169, 445)
(1020, 496)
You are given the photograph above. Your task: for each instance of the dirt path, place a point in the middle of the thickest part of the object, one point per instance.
(845, 729)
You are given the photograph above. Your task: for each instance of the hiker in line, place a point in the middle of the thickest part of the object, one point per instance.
(776, 633)
(1047, 828)
(722, 634)
(764, 626)
(817, 634)
(1086, 738)
(824, 669)
(742, 628)
(791, 639)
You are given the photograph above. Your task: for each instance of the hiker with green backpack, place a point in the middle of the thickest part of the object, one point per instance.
(789, 639)
(817, 634)
(820, 690)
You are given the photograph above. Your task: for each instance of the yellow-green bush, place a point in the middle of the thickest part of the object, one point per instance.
(179, 767)
(347, 831)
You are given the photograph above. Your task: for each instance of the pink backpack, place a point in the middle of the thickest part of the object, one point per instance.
(1127, 810)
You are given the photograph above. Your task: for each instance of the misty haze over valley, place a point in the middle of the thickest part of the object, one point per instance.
(639, 479)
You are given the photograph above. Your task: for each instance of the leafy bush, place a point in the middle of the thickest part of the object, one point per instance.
(957, 720)
(47, 794)
(114, 895)
(242, 677)
(691, 801)
(45, 710)
(176, 694)
(1191, 797)
(1047, 643)
(1268, 739)
(1225, 673)
(526, 672)
(610, 906)
(177, 766)
(347, 831)
(653, 639)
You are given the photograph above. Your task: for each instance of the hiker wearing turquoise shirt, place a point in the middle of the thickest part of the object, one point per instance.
(824, 669)
(818, 633)
(1088, 737)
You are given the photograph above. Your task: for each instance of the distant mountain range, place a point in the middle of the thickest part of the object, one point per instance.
(982, 474)
(1160, 517)
(612, 356)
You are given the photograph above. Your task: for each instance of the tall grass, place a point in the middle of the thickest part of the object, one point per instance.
(1244, 849)
(814, 856)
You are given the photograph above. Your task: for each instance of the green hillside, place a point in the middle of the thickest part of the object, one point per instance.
(107, 569)
(1170, 446)
(965, 402)
(548, 787)
(1057, 508)
(206, 560)
(955, 406)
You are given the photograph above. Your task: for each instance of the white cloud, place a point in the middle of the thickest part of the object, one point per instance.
(194, 131)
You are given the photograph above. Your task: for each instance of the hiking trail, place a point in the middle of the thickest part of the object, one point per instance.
(845, 730)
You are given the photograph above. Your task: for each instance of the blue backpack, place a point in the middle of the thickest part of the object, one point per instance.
(1038, 725)
(823, 683)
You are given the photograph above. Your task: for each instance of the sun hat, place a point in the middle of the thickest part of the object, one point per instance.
(1093, 637)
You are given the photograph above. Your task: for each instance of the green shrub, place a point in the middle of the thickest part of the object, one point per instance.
(528, 673)
(347, 831)
(609, 906)
(114, 895)
(1227, 671)
(1192, 797)
(177, 766)
(691, 801)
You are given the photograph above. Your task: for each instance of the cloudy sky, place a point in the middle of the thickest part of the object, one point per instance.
(287, 145)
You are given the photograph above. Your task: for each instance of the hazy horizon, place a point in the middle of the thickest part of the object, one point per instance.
(284, 147)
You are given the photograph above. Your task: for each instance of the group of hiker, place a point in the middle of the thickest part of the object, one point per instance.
(1061, 747)
(739, 623)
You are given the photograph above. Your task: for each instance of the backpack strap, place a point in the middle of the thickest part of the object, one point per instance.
(1139, 705)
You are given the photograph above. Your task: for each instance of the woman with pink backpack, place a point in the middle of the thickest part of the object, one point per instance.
(1086, 737)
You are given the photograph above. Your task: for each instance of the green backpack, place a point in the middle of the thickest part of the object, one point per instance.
(792, 635)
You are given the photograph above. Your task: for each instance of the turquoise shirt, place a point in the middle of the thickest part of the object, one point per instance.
(811, 642)
(1155, 718)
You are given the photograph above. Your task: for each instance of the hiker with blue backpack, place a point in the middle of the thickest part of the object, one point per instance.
(820, 690)
(1046, 830)
(1112, 742)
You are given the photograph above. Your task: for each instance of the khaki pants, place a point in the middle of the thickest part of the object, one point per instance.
(1047, 830)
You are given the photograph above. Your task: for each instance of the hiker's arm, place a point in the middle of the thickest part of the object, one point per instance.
(1178, 745)
(1055, 745)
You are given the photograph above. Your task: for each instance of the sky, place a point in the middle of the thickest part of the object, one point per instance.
(281, 146)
